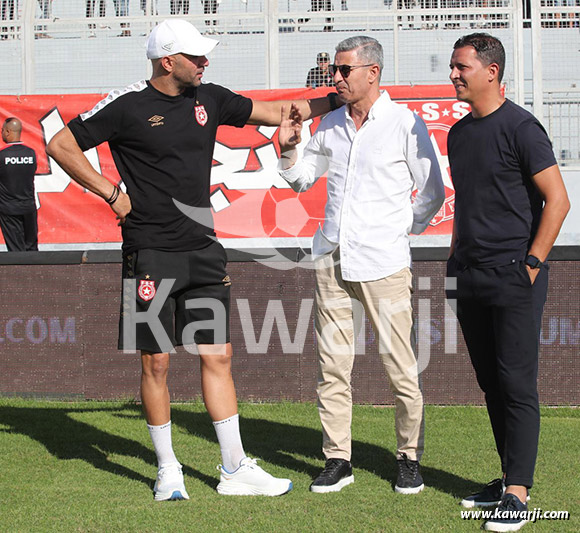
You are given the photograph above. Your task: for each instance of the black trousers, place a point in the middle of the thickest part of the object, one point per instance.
(500, 315)
(20, 231)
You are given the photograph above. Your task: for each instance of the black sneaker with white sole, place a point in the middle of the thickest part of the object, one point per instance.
(489, 496)
(510, 515)
(409, 480)
(337, 474)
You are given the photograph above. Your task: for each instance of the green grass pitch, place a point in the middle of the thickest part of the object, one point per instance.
(90, 467)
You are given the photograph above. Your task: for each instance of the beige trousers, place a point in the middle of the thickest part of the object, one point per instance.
(339, 314)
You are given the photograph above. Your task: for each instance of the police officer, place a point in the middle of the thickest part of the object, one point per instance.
(17, 206)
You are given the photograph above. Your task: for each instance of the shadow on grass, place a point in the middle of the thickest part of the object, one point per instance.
(67, 438)
(278, 442)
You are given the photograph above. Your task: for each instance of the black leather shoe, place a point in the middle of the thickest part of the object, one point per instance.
(337, 474)
(409, 480)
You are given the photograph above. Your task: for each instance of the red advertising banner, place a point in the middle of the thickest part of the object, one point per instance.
(249, 199)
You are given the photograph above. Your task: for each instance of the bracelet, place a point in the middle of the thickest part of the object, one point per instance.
(115, 194)
(332, 100)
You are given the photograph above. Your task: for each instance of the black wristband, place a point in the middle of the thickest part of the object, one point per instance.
(533, 262)
(113, 198)
(332, 100)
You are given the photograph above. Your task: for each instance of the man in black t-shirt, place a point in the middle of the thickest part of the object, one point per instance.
(162, 134)
(18, 217)
(510, 202)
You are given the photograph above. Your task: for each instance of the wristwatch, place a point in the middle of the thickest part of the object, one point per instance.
(533, 262)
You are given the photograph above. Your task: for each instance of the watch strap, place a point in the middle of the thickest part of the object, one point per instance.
(532, 261)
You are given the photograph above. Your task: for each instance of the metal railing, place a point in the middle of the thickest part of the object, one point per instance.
(409, 30)
(562, 121)
(272, 43)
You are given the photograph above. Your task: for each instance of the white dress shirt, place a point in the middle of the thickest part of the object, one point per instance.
(371, 174)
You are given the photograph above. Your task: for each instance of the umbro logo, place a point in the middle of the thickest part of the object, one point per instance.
(156, 120)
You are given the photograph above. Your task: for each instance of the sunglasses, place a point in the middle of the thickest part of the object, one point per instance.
(345, 69)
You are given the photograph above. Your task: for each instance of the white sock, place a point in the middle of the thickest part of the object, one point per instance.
(228, 434)
(161, 437)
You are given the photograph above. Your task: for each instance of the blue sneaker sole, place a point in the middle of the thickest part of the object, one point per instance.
(176, 495)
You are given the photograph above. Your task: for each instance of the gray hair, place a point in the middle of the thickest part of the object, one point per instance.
(368, 49)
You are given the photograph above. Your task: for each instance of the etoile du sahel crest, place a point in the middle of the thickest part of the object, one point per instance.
(200, 115)
(146, 290)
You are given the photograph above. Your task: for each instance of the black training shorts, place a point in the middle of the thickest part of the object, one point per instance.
(174, 298)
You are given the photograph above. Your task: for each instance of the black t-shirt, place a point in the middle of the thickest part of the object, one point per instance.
(163, 148)
(318, 78)
(497, 206)
(17, 169)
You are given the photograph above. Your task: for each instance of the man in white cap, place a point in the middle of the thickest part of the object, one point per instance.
(162, 134)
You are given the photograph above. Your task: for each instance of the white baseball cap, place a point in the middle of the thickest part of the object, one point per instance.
(177, 36)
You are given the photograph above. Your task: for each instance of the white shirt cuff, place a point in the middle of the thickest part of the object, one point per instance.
(292, 174)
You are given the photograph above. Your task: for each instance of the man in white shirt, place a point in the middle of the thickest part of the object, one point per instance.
(375, 152)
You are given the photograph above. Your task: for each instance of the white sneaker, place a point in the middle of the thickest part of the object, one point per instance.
(169, 484)
(251, 480)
